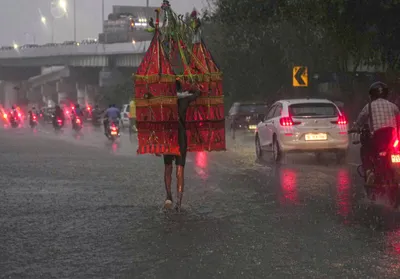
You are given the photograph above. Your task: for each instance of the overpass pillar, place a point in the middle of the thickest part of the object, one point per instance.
(66, 92)
(85, 94)
(13, 93)
(49, 94)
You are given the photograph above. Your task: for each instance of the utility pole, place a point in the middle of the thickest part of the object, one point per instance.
(102, 16)
(74, 20)
(147, 3)
(52, 29)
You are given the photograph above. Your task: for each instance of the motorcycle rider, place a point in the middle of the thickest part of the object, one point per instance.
(58, 114)
(13, 115)
(96, 114)
(32, 113)
(111, 114)
(382, 117)
(76, 112)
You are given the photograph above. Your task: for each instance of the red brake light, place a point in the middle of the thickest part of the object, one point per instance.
(59, 121)
(5, 115)
(34, 117)
(19, 115)
(88, 108)
(286, 121)
(78, 121)
(341, 120)
(396, 143)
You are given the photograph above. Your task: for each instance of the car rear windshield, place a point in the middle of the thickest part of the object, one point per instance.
(250, 108)
(313, 110)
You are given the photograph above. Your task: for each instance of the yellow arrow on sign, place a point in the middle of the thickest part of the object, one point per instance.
(300, 76)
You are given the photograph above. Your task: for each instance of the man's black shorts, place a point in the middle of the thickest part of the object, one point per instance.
(179, 160)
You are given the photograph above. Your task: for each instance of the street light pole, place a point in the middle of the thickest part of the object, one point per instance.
(102, 16)
(74, 20)
(52, 29)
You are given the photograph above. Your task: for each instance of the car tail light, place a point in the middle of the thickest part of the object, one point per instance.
(396, 143)
(59, 121)
(5, 116)
(287, 121)
(34, 117)
(19, 115)
(78, 121)
(340, 121)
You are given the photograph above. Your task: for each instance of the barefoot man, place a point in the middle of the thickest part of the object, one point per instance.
(184, 100)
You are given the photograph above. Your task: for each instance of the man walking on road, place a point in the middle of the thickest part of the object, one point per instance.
(184, 100)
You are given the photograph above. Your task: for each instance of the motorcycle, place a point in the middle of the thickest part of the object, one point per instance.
(386, 169)
(33, 120)
(14, 121)
(113, 131)
(58, 124)
(96, 122)
(77, 124)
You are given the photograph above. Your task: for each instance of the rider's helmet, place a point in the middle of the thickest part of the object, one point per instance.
(378, 90)
(113, 105)
(13, 107)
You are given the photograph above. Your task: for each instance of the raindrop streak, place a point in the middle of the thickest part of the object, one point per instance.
(289, 186)
(343, 198)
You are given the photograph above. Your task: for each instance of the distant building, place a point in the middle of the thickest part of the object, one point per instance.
(127, 24)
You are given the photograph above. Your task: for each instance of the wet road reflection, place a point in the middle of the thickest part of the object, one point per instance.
(343, 194)
(201, 164)
(288, 184)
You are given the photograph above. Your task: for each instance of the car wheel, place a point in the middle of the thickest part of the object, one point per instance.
(259, 152)
(341, 156)
(276, 151)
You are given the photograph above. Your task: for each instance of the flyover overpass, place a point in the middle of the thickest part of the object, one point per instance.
(90, 55)
(91, 64)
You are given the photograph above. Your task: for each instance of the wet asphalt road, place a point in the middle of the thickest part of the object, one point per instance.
(83, 208)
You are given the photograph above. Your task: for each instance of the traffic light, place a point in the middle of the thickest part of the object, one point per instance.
(132, 24)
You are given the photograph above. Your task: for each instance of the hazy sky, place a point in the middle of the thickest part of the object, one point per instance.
(20, 19)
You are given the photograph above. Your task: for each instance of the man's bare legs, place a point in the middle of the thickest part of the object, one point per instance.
(179, 186)
(168, 181)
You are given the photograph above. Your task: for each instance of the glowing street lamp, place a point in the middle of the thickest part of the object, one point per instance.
(43, 20)
(15, 45)
(63, 5)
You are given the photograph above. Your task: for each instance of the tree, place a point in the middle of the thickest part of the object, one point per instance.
(118, 94)
(258, 42)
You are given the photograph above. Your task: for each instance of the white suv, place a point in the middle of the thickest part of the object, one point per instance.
(302, 125)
